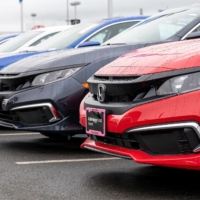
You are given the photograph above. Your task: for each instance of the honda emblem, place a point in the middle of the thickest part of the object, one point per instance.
(101, 92)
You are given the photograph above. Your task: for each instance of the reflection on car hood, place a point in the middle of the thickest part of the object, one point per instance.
(62, 58)
(10, 58)
(155, 59)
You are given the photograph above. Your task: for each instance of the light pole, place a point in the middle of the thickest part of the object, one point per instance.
(141, 11)
(110, 8)
(21, 15)
(67, 12)
(33, 15)
(75, 3)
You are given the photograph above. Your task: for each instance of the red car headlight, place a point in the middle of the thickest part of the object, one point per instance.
(180, 84)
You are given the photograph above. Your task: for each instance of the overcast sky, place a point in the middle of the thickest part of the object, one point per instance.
(53, 12)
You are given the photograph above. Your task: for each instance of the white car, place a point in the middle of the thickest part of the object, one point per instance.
(30, 39)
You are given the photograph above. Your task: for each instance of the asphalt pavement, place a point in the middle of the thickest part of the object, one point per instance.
(36, 167)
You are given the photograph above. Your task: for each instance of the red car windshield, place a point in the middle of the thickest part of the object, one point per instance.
(158, 28)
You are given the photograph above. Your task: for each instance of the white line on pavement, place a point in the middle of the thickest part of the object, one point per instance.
(18, 134)
(66, 161)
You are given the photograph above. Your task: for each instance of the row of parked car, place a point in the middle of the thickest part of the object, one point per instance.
(142, 102)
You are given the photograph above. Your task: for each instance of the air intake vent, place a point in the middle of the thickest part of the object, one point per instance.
(116, 78)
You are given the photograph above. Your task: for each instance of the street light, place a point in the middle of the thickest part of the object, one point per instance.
(33, 15)
(75, 3)
(110, 8)
(21, 15)
(67, 12)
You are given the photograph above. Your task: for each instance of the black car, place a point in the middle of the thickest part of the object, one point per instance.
(43, 92)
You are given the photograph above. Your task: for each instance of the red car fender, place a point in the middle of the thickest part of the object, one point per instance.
(184, 107)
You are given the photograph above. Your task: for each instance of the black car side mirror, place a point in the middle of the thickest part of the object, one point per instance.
(88, 44)
(193, 35)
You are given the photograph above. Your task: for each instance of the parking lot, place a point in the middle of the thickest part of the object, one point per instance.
(126, 73)
(35, 167)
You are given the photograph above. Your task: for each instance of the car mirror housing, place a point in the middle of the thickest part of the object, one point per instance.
(88, 44)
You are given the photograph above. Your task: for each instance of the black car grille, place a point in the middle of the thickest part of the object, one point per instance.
(146, 94)
(163, 142)
(122, 140)
(29, 117)
(125, 89)
(35, 116)
(116, 78)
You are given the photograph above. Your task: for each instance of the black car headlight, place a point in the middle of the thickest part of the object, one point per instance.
(180, 84)
(50, 77)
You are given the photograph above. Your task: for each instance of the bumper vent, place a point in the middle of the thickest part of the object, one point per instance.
(7, 115)
(163, 142)
(167, 142)
(28, 117)
(116, 78)
(127, 141)
(34, 116)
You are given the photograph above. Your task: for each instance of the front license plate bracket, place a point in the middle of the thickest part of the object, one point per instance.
(96, 121)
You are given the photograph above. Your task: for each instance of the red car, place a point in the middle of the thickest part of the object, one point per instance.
(145, 106)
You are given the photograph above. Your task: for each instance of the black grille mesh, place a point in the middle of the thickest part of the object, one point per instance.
(122, 140)
(163, 142)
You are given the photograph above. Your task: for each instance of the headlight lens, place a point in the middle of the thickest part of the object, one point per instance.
(180, 84)
(53, 76)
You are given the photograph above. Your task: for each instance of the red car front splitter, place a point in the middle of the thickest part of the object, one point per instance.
(189, 161)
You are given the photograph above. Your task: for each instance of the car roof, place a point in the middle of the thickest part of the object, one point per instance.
(173, 10)
(120, 18)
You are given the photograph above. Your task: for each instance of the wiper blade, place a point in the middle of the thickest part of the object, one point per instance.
(114, 44)
(28, 51)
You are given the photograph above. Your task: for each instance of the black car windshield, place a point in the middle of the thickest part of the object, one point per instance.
(18, 41)
(66, 38)
(158, 28)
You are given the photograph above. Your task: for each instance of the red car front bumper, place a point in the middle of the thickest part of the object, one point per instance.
(177, 161)
(172, 110)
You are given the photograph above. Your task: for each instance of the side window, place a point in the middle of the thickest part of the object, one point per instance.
(43, 39)
(111, 31)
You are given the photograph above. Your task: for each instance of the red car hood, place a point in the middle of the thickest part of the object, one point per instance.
(154, 59)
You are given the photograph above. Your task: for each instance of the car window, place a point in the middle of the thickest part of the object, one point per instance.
(18, 41)
(158, 28)
(68, 37)
(111, 31)
(43, 39)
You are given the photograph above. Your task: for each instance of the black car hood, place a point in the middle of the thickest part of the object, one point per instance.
(67, 58)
